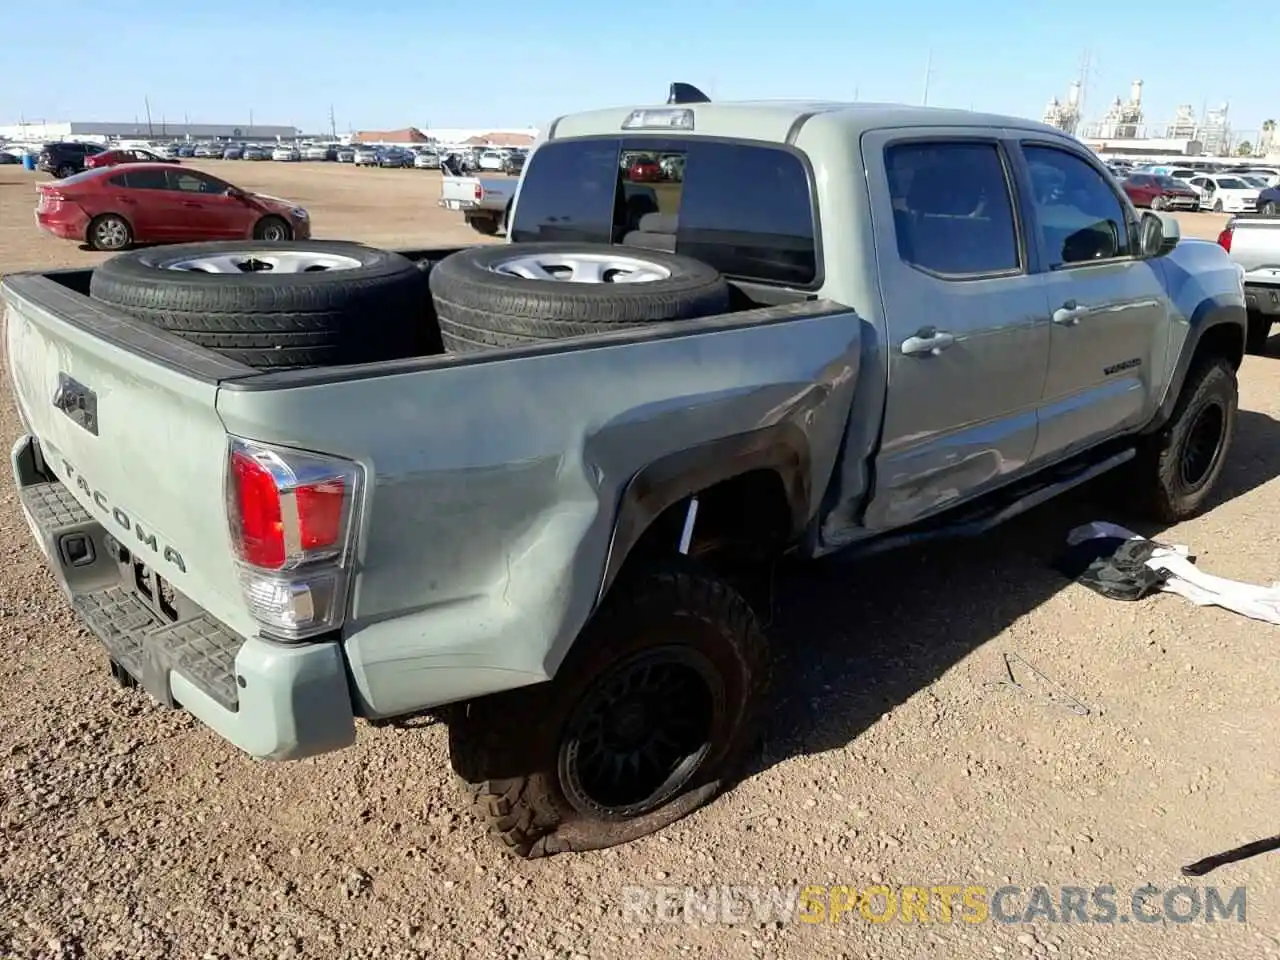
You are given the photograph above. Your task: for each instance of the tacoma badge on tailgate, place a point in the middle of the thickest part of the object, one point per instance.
(78, 402)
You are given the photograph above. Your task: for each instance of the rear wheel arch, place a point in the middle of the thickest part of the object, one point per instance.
(753, 489)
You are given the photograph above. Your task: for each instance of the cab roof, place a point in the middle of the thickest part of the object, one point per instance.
(780, 120)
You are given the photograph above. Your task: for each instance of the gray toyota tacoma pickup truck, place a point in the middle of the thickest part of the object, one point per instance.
(292, 486)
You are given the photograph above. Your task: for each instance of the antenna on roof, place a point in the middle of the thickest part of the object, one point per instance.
(686, 93)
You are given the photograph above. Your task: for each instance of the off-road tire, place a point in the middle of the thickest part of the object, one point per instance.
(1257, 333)
(480, 309)
(1158, 475)
(378, 311)
(508, 748)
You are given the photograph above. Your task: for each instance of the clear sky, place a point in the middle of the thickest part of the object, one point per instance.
(450, 63)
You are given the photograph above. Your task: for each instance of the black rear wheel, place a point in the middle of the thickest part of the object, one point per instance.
(651, 712)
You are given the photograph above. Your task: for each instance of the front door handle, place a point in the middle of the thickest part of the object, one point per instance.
(190, 203)
(1069, 314)
(927, 342)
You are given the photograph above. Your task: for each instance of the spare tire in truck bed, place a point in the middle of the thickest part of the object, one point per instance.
(278, 305)
(520, 293)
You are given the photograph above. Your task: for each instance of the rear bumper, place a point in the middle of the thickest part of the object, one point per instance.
(69, 225)
(274, 701)
(1264, 298)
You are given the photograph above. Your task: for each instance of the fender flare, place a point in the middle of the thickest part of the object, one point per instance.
(782, 448)
(1213, 313)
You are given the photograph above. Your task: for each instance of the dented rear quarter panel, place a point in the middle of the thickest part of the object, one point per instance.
(493, 486)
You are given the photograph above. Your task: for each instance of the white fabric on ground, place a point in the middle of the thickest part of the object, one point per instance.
(1188, 581)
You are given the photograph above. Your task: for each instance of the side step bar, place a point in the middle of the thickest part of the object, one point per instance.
(976, 522)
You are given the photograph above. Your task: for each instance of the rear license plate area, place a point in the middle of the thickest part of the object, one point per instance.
(147, 586)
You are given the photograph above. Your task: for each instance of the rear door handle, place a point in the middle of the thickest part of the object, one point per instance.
(1069, 314)
(927, 342)
(191, 203)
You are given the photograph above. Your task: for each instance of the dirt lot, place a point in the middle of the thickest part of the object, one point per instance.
(895, 755)
(389, 208)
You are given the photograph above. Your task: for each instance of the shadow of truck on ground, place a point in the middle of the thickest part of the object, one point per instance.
(858, 638)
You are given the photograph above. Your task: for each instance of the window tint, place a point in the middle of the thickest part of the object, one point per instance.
(188, 182)
(568, 192)
(743, 209)
(1141, 180)
(747, 211)
(146, 180)
(1081, 218)
(952, 211)
(118, 181)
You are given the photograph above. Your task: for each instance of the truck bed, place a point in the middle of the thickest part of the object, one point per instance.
(65, 292)
(492, 485)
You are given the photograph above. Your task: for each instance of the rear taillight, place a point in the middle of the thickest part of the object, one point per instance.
(479, 192)
(293, 525)
(1224, 238)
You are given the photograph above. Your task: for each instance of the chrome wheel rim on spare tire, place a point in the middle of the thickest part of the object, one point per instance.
(284, 261)
(582, 268)
(111, 234)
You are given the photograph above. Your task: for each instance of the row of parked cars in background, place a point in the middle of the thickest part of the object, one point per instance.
(66, 158)
(1239, 189)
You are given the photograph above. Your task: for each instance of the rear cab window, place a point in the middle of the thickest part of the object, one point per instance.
(746, 209)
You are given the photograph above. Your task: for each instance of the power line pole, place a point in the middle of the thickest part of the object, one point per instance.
(147, 102)
(928, 76)
(333, 125)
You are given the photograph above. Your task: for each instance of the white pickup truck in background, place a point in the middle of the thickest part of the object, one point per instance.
(1254, 243)
(485, 201)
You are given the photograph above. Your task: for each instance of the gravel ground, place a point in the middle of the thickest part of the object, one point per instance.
(896, 755)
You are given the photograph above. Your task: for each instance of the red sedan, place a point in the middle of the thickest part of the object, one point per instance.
(644, 170)
(112, 208)
(1159, 192)
(111, 158)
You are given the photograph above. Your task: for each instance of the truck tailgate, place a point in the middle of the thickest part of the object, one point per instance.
(136, 440)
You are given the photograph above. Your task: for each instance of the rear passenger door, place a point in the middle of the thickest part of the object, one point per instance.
(1108, 306)
(966, 318)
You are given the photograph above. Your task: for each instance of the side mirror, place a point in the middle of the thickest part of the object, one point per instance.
(1157, 235)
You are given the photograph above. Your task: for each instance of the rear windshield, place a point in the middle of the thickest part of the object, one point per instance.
(745, 209)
